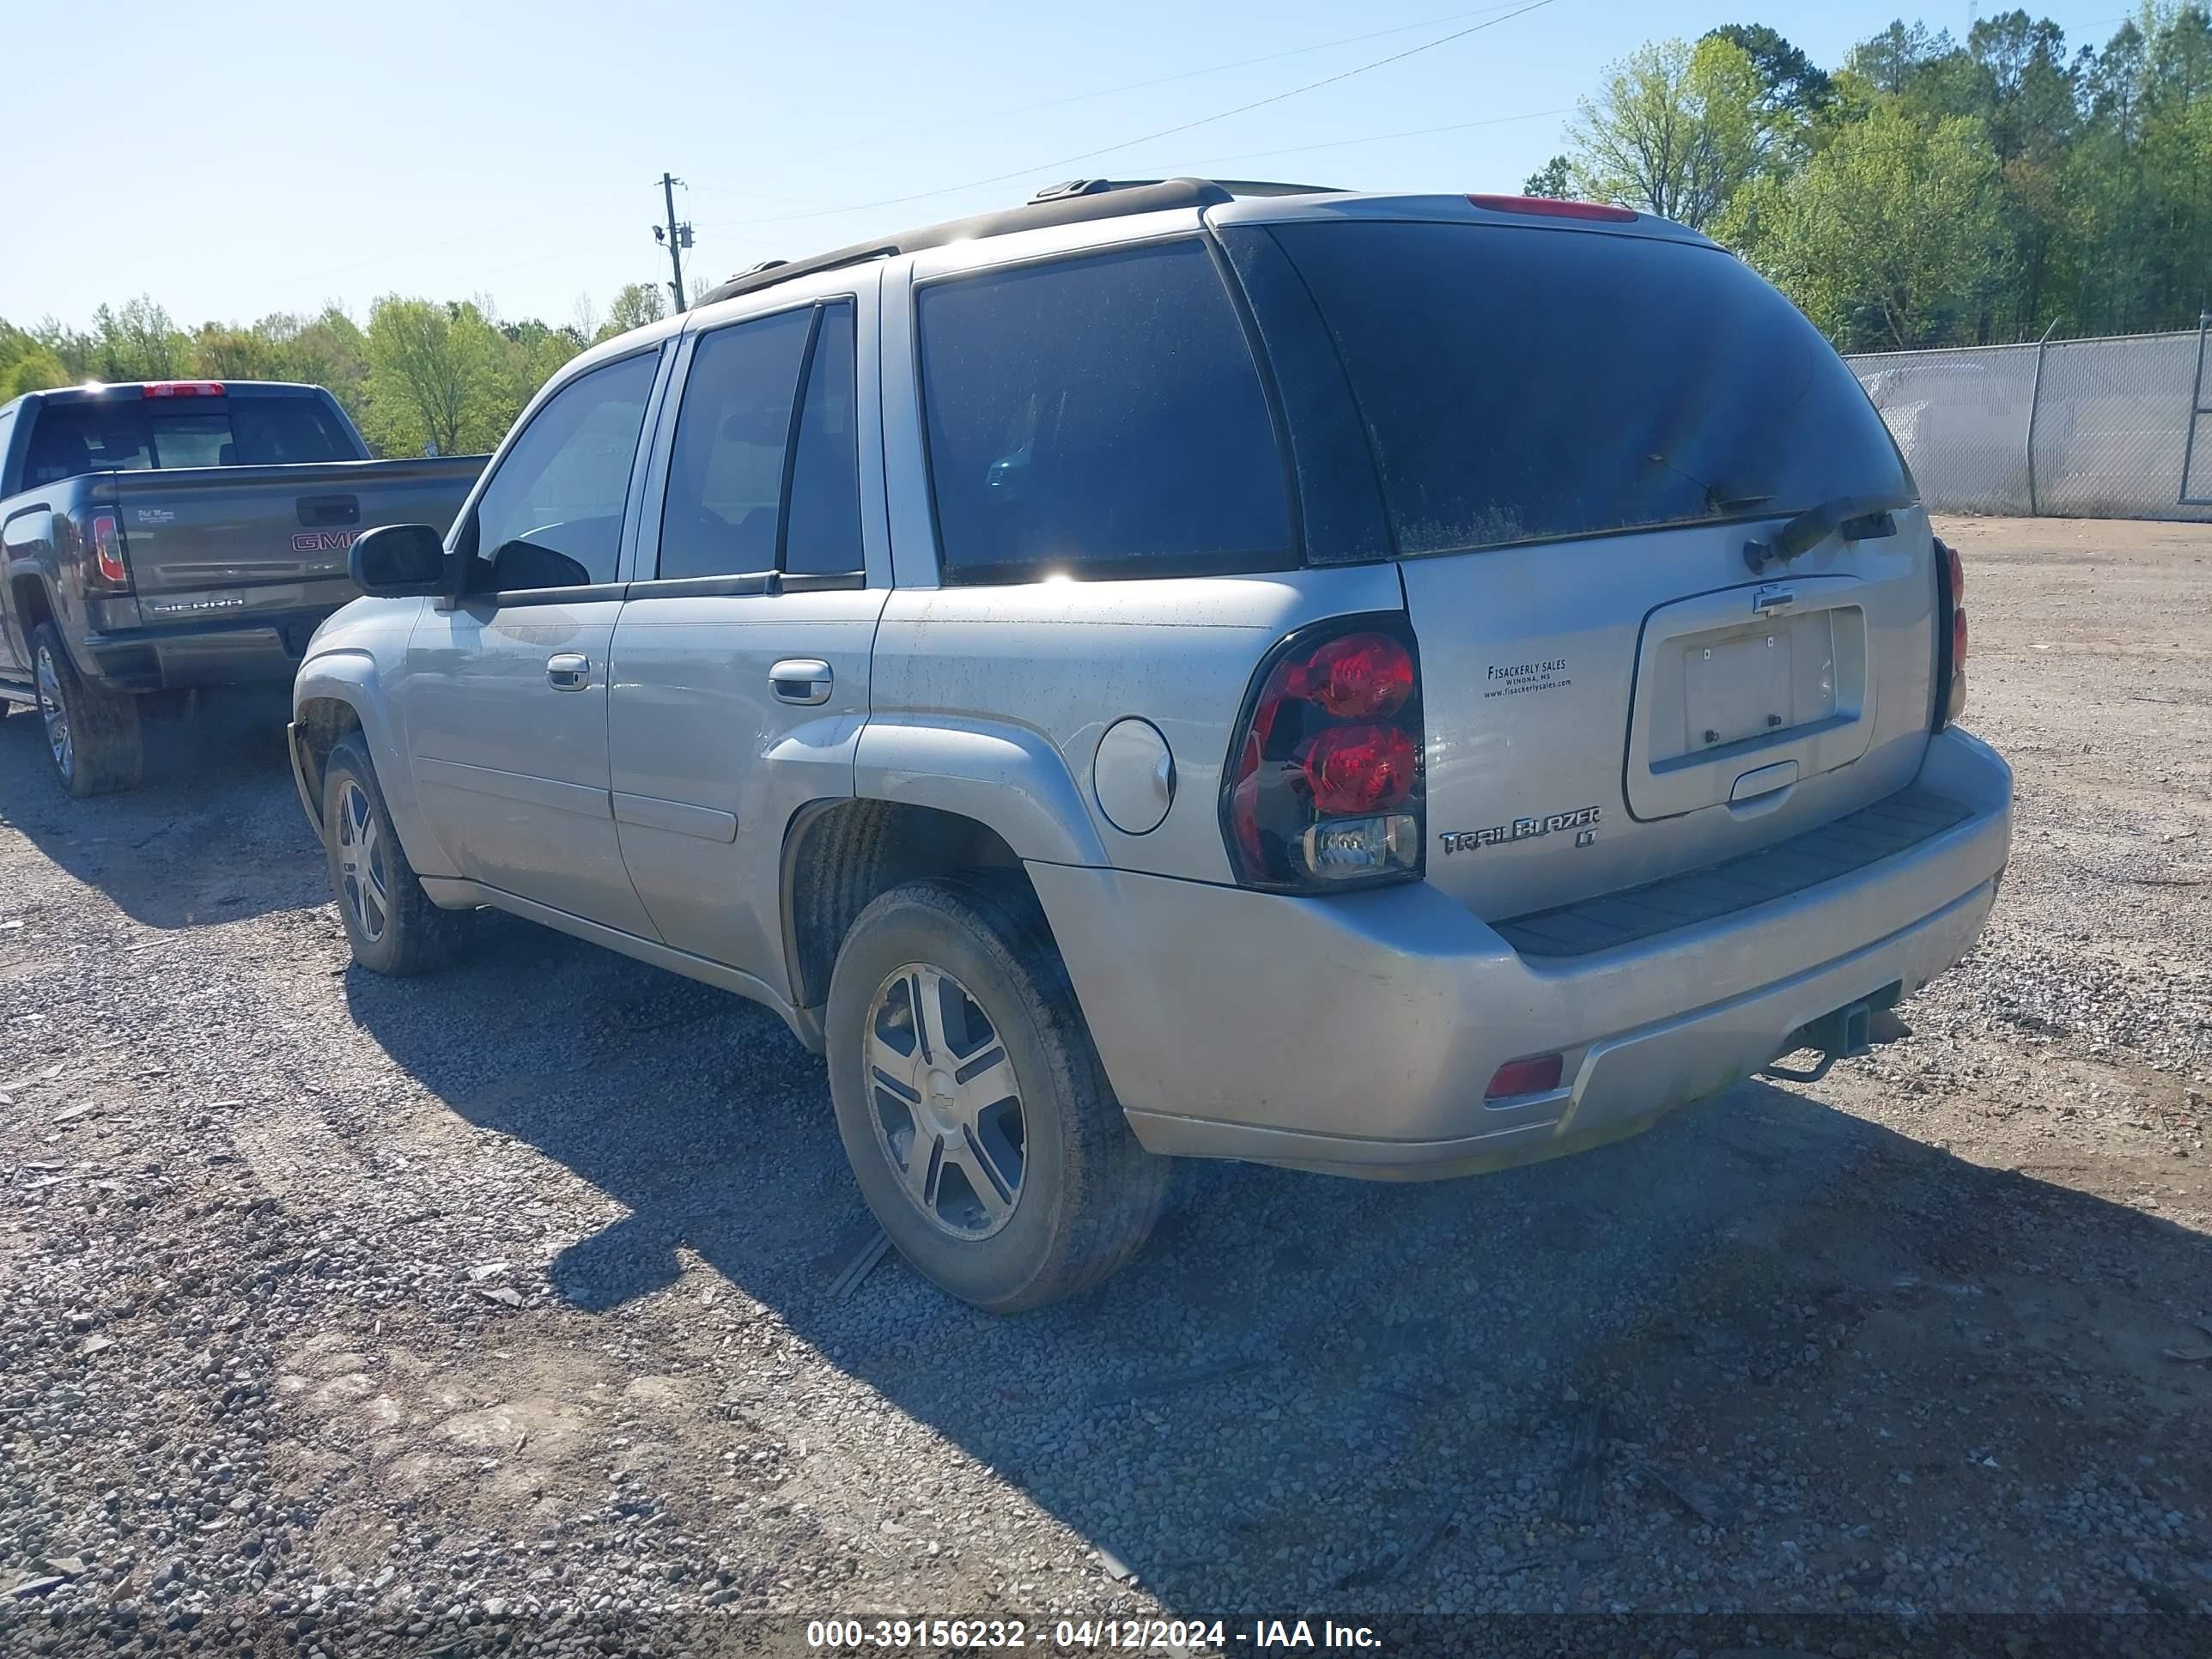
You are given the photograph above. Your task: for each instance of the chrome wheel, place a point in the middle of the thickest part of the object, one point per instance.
(946, 1103)
(363, 882)
(55, 715)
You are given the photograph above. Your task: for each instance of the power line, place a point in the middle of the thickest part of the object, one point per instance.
(1133, 86)
(1381, 138)
(1035, 168)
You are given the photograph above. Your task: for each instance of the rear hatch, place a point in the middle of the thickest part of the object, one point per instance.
(1576, 430)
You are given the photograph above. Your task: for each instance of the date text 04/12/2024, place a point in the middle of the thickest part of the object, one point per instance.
(1159, 1635)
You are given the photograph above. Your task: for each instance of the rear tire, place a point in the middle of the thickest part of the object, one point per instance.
(91, 731)
(1012, 1201)
(390, 921)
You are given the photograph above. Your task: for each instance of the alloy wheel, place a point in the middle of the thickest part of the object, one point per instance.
(944, 1101)
(364, 878)
(56, 715)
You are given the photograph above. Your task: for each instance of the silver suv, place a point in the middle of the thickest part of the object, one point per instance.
(1395, 686)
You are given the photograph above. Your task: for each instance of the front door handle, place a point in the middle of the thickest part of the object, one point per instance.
(568, 671)
(801, 679)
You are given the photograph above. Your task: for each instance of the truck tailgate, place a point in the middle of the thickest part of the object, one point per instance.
(206, 540)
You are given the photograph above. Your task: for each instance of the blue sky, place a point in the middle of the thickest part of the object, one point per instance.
(233, 160)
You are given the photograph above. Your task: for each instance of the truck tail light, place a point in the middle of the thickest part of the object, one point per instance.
(1323, 785)
(106, 565)
(181, 389)
(1950, 635)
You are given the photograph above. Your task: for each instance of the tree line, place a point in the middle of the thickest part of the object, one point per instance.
(1929, 191)
(1925, 191)
(422, 374)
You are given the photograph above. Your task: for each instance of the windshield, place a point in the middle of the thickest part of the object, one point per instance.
(118, 432)
(1520, 385)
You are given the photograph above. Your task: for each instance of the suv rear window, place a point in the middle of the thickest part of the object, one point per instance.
(121, 433)
(1522, 384)
(1100, 415)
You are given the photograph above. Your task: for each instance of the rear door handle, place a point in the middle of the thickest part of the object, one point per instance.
(568, 671)
(801, 679)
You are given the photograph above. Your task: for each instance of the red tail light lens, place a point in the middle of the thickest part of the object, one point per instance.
(1360, 768)
(181, 389)
(1361, 676)
(1324, 780)
(99, 533)
(1551, 207)
(1951, 636)
(1536, 1076)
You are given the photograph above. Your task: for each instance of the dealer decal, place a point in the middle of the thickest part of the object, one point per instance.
(1514, 679)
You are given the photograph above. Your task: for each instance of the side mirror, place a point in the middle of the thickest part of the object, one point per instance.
(399, 562)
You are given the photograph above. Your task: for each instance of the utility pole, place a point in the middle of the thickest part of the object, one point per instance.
(675, 237)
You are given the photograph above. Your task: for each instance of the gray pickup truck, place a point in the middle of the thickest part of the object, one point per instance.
(1390, 685)
(162, 536)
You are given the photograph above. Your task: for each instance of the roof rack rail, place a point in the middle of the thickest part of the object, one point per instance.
(1069, 203)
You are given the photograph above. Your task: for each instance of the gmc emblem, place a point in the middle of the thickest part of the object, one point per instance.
(323, 541)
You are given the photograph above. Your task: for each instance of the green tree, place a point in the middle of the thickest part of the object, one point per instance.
(138, 342)
(27, 364)
(434, 378)
(1555, 178)
(1885, 237)
(634, 306)
(1676, 129)
(1792, 87)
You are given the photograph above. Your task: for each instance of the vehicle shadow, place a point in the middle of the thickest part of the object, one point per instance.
(1314, 1393)
(214, 834)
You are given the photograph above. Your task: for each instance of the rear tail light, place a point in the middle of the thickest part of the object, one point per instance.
(99, 533)
(181, 389)
(1552, 207)
(1324, 787)
(1950, 635)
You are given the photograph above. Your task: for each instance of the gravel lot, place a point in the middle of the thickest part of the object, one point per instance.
(502, 1310)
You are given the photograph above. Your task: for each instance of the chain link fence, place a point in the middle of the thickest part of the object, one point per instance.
(2081, 428)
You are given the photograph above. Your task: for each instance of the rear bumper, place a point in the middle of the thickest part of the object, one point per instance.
(266, 649)
(1357, 1034)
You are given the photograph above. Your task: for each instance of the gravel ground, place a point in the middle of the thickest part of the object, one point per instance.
(503, 1309)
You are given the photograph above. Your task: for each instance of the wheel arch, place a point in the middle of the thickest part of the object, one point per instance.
(339, 693)
(839, 855)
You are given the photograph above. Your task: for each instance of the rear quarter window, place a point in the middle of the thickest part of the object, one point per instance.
(1518, 385)
(1098, 416)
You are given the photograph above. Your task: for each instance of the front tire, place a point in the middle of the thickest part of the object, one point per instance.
(972, 1104)
(91, 731)
(390, 921)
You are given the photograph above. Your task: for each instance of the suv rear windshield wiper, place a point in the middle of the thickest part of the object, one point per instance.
(1860, 517)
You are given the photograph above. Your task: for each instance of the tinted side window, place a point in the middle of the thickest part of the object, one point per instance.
(822, 536)
(551, 516)
(726, 475)
(1100, 414)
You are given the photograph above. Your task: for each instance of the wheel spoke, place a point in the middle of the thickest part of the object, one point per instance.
(984, 1082)
(927, 987)
(925, 1164)
(992, 1188)
(891, 1068)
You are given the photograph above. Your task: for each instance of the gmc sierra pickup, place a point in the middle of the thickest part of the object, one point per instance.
(166, 536)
